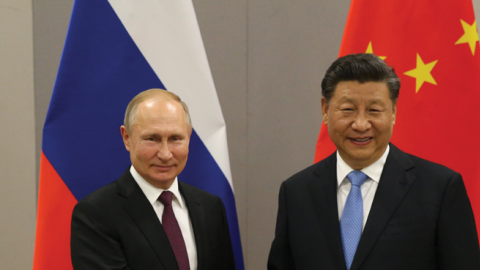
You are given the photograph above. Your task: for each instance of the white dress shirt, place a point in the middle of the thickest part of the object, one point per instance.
(179, 209)
(368, 188)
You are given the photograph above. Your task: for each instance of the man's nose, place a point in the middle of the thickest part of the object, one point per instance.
(361, 123)
(164, 152)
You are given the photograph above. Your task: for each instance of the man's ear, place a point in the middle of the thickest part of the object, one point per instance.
(125, 137)
(394, 113)
(324, 110)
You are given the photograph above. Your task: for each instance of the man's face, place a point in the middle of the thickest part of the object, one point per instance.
(360, 119)
(158, 141)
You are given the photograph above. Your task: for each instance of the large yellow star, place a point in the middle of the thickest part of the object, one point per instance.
(370, 50)
(422, 73)
(470, 36)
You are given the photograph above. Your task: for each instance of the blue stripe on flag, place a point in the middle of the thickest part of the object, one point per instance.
(100, 72)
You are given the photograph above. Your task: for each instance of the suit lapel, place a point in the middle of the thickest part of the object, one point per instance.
(142, 213)
(323, 191)
(197, 217)
(392, 188)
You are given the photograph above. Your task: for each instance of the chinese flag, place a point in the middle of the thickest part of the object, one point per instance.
(433, 46)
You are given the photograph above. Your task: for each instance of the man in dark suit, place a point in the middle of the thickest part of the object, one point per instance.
(147, 219)
(369, 205)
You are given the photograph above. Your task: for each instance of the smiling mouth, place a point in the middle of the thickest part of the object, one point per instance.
(361, 141)
(163, 167)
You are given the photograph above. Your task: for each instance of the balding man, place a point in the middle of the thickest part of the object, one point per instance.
(147, 219)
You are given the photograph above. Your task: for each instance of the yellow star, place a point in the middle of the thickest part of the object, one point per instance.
(422, 73)
(370, 50)
(470, 36)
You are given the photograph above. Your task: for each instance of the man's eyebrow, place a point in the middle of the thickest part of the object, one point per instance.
(347, 99)
(352, 100)
(177, 135)
(376, 101)
(154, 135)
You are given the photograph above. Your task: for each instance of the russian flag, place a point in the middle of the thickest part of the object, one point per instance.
(114, 50)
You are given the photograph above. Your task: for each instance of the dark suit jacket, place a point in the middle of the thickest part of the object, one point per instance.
(116, 227)
(420, 218)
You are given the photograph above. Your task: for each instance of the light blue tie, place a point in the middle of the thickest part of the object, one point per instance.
(351, 222)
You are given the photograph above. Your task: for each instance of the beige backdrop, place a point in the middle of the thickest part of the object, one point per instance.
(267, 60)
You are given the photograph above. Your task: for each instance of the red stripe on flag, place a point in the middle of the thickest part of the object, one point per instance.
(55, 206)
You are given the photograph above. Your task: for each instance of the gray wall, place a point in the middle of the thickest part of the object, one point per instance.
(17, 135)
(267, 59)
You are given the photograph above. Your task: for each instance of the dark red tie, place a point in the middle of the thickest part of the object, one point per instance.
(174, 234)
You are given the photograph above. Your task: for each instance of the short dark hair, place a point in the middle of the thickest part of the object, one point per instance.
(362, 67)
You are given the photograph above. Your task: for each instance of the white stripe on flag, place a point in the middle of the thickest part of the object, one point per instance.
(167, 34)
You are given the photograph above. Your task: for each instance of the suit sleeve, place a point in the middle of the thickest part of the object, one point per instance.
(458, 246)
(94, 242)
(280, 257)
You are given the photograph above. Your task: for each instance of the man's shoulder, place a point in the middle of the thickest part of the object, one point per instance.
(101, 194)
(415, 163)
(107, 194)
(427, 174)
(103, 199)
(325, 167)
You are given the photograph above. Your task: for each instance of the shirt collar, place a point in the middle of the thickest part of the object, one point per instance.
(374, 171)
(152, 193)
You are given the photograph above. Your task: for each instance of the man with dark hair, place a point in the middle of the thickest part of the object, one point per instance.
(370, 205)
(362, 68)
(147, 219)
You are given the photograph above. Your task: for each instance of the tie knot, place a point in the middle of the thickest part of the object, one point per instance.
(357, 178)
(166, 197)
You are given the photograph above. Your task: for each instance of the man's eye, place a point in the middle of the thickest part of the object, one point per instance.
(347, 110)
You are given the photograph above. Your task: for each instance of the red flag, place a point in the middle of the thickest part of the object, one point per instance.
(433, 47)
